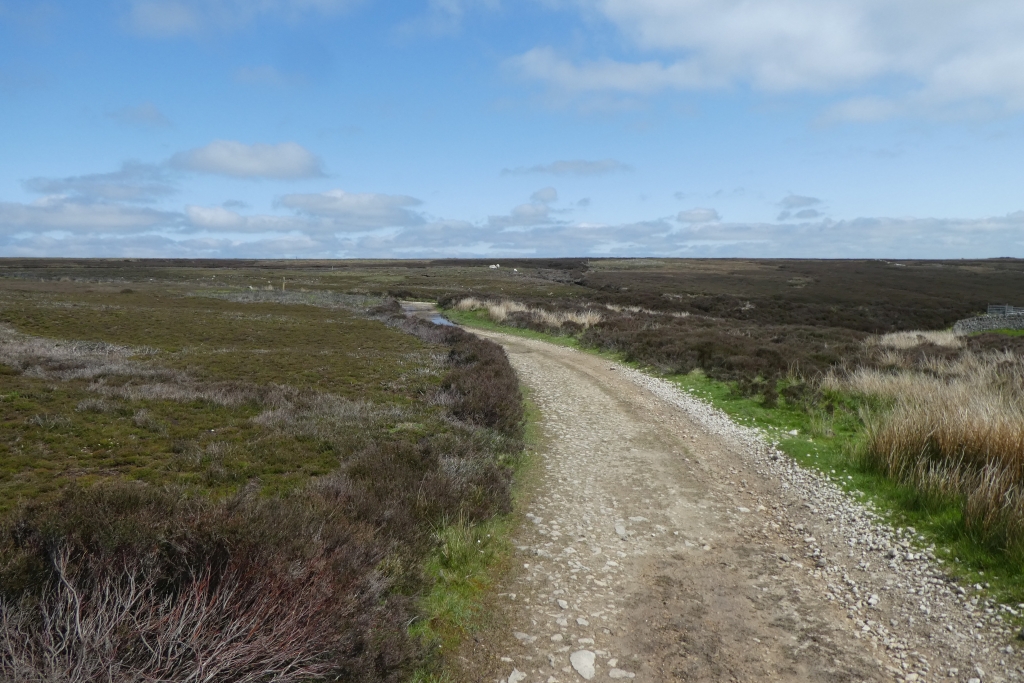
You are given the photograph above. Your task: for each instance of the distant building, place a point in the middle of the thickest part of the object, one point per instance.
(1004, 309)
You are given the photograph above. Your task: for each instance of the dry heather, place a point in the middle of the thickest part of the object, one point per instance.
(69, 360)
(125, 581)
(955, 430)
(502, 311)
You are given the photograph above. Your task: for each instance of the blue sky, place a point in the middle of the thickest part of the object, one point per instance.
(436, 128)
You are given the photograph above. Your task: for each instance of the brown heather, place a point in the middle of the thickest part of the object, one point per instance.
(220, 578)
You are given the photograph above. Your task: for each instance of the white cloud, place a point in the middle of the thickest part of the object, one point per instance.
(214, 217)
(286, 160)
(524, 215)
(59, 213)
(797, 206)
(544, 64)
(169, 18)
(961, 55)
(356, 210)
(796, 201)
(219, 219)
(545, 195)
(135, 182)
(571, 167)
(698, 215)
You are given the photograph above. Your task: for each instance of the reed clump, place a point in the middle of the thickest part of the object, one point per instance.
(911, 339)
(954, 430)
(507, 311)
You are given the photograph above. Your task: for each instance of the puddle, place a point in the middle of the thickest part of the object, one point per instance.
(425, 311)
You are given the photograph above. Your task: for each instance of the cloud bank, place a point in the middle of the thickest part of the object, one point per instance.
(135, 182)
(118, 214)
(383, 226)
(356, 210)
(959, 57)
(287, 160)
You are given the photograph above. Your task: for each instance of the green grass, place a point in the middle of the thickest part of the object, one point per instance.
(55, 432)
(468, 561)
(480, 320)
(302, 346)
(1008, 333)
(829, 442)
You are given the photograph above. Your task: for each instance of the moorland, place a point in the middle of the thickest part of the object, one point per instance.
(235, 484)
(170, 426)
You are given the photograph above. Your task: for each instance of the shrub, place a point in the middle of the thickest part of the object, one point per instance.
(127, 582)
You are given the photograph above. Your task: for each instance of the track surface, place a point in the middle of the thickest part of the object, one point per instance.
(666, 552)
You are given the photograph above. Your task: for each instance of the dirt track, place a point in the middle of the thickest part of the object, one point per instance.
(664, 548)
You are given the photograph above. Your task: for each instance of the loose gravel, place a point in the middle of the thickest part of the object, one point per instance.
(666, 542)
(888, 561)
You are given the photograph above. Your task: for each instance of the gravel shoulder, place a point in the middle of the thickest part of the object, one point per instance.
(664, 542)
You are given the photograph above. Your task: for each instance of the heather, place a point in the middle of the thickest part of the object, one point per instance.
(237, 487)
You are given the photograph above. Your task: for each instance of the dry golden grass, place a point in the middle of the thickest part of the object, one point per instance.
(910, 339)
(955, 430)
(647, 311)
(499, 311)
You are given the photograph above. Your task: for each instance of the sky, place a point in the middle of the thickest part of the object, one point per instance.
(491, 128)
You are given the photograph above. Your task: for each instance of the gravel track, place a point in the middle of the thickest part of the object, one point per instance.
(665, 542)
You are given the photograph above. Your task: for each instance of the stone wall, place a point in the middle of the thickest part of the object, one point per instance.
(984, 323)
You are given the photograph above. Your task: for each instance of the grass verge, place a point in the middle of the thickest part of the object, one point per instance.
(468, 560)
(479, 320)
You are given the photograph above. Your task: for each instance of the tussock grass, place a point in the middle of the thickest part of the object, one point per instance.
(68, 360)
(914, 338)
(502, 310)
(646, 311)
(954, 431)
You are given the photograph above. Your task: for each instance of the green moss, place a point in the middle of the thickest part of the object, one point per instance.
(466, 564)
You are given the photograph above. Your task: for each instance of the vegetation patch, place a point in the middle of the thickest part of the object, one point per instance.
(239, 488)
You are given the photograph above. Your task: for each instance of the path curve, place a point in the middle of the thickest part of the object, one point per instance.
(663, 543)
